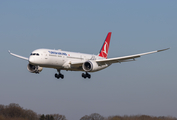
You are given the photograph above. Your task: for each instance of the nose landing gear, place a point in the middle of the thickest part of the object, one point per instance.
(86, 75)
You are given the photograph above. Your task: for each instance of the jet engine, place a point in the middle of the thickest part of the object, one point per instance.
(90, 66)
(34, 69)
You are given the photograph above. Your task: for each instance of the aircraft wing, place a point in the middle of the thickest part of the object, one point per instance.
(125, 58)
(115, 60)
(18, 56)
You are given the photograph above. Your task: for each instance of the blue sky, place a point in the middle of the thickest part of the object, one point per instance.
(146, 86)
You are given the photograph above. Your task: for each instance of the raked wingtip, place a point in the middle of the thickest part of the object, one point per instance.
(162, 50)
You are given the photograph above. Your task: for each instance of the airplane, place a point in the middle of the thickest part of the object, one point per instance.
(73, 61)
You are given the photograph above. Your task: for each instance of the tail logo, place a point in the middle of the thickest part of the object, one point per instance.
(105, 48)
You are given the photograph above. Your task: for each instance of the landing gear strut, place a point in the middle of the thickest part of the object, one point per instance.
(86, 75)
(59, 75)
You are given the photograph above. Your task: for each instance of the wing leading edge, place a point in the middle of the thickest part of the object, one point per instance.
(126, 58)
(18, 56)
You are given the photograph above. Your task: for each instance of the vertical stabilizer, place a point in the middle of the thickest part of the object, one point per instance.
(104, 50)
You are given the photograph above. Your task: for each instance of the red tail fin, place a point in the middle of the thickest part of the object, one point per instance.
(105, 47)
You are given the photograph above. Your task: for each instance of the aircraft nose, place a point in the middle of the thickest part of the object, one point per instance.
(32, 59)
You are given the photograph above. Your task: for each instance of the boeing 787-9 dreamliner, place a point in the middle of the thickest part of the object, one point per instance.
(73, 61)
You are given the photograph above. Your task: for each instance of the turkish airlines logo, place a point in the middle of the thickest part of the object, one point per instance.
(105, 48)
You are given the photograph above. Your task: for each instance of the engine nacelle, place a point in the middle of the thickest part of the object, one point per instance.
(90, 66)
(34, 69)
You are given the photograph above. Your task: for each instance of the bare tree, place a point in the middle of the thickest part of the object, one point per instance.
(93, 116)
(86, 117)
(52, 117)
(139, 117)
(59, 117)
(14, 111)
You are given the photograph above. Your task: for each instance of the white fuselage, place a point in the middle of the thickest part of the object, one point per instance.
(59, 59)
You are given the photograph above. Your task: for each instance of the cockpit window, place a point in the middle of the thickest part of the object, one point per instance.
(37, 54)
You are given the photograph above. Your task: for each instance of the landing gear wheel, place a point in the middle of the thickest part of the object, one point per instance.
(59, 75)
(62, 76)
(83, 75)
(86, 75)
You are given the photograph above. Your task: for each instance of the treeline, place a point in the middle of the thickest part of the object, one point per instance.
(96, 116)
(15, 112)
(52, 117)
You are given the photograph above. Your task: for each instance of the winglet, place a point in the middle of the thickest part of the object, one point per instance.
(162, 50)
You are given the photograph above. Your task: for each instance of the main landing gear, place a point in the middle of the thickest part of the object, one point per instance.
(59, 75)
(86, 75)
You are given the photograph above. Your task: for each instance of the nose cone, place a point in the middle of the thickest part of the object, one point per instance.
(32, 59)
